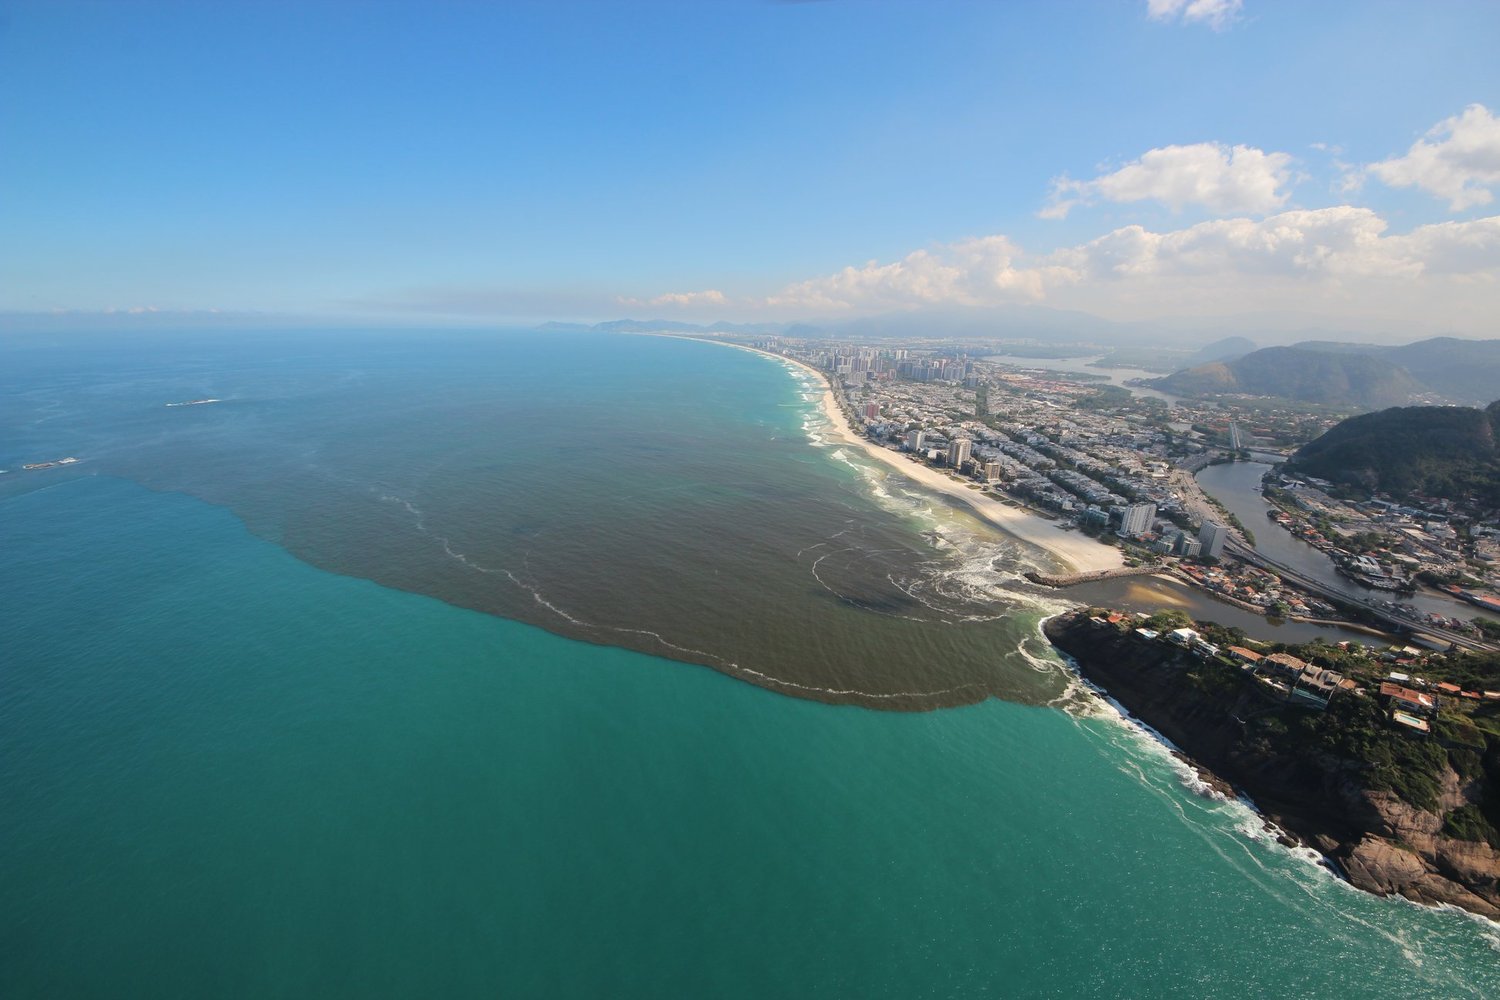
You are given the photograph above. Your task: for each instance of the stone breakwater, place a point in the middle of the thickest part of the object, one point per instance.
(1382, 843)
(1072, 579)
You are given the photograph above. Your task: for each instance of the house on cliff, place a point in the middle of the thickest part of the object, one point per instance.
(1248, 657)
(1184, 637)
(1316, 685)
(1283, 665)
(1406, 699)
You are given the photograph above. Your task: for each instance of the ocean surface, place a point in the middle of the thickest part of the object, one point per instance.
(276, 718)
(637, 491)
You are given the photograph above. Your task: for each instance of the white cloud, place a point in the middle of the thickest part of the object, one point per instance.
(1340, 258)
(707, 297)
(1327, 242)
(1466, 249)
(970, 272)
(1217, 14)
(1458, 159)
(1218, 177)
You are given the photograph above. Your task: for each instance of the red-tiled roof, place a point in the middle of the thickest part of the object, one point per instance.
(1389, 690)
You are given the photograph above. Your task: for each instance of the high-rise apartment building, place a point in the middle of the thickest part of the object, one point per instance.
(1211, 537)
(1136, 519)
(958, 451)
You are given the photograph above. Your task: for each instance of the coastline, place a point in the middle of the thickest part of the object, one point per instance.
(1365, 833)
(1077, 552)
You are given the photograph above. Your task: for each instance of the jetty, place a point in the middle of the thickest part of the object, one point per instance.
(1071, 579)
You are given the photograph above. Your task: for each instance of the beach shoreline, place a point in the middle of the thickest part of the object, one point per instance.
(1072, 550)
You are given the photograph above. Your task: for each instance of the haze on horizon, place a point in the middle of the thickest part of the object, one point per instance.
(1243, 164)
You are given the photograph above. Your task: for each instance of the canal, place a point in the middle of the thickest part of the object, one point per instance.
(1236, 485)
(1154, 593)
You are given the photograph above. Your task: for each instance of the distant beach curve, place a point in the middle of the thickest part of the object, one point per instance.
(1078, 552)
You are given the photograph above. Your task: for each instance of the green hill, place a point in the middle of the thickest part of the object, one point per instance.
(1227, 349)
(1463, 371)
(1324, 377)
(1363, 376)
(1441, 451)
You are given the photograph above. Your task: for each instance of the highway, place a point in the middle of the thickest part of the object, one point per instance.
(1388, 616)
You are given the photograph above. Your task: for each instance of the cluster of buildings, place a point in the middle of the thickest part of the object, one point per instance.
(1414, 701)
(1119, 467)
(1410, 702)
(1255, 589)
(1016, 431)
(1027, 436)
(1385, 544)
(1287, 676)
(1292, 677)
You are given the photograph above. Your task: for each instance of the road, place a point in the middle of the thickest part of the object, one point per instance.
(1389, 616)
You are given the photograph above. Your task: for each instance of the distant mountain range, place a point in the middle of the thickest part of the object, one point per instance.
(954, 323)
(1440, 451)
(1360, 376)
(1227, 349)
(1348, 376)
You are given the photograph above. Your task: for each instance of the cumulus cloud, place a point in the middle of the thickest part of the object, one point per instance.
(1289, 258)
(1208, 174)
(1465, 249)
(1328, 242)
(1458, 159)
(1217, 14)
(970, 272)
(707, 297)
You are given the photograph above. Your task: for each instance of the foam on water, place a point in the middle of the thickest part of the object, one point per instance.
(700, 655)
(1224, 820)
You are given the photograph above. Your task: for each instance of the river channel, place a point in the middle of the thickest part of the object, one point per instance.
(1154, 593)
(1237, 486)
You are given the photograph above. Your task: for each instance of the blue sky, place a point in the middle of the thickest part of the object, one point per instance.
(470, 162)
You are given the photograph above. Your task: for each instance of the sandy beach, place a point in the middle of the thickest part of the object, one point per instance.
(1078, 551)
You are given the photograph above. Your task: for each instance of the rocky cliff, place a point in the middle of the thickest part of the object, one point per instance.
(1330, 801)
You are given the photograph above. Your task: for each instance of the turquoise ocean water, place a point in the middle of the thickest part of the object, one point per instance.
(228, 771)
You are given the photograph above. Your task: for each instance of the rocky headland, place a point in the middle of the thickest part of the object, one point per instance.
(1385, 812)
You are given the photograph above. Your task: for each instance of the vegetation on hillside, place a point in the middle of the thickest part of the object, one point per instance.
(1331, 378)
(1355, 732)
(1438, 451)
(1363, 376)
